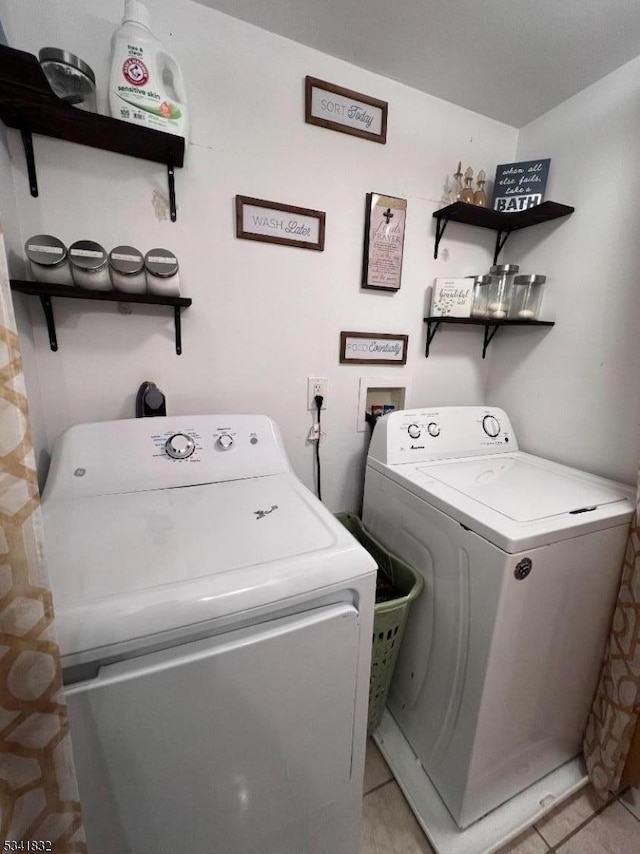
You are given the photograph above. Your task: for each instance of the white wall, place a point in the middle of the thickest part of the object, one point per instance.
(573, 392)
(263, 317)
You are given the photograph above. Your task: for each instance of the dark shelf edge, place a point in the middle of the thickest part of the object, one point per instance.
(74, 292)
(476, 321)
(468, 214)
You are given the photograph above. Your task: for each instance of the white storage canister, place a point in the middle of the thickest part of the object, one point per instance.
(162, 273)
(526, 297)
(127, 270)
(90, 265)
(48, 260)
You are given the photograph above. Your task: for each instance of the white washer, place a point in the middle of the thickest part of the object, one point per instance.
(215, 627)
(521, 559)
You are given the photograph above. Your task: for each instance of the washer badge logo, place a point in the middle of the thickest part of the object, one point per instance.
(260, 514)
(523, 568)
(79, 472)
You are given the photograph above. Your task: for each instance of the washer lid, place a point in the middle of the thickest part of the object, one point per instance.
(132, 565)
(523, 490)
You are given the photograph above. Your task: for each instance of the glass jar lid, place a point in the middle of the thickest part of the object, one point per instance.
(161, 262)
(480, 280)
(126, 260)
(504, 269)
(87, 255)
(63, 57)
(534, 279)
(46, 250)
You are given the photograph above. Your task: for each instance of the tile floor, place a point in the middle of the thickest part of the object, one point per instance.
(582, 825)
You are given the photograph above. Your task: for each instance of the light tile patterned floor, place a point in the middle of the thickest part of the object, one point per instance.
(582, 825)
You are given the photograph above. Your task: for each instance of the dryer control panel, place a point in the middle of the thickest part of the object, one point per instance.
(448, 432)
(138, 454)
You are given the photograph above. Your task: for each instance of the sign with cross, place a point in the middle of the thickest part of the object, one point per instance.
(383, 242)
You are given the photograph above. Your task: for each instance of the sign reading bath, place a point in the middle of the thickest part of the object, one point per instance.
(344, 110)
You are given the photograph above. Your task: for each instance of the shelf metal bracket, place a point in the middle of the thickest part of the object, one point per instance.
(501, 239)
(27, 144)
(51, 324)
(172, 187)
(489, 334)
(432, 328)
(177, 321)
(441, 223)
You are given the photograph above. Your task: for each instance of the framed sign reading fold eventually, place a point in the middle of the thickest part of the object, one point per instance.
(383, 242)
(272, 222)
(337, 108)
(367, 348)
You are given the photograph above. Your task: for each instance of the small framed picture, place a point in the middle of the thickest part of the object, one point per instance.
(383, 242)
(337, 108)
(273, 222)
(452, 297)
(367, 348)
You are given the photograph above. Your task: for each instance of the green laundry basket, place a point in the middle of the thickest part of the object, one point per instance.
(389, 618)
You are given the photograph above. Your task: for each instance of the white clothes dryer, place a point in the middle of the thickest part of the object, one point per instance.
(215, 626)
(521, 559)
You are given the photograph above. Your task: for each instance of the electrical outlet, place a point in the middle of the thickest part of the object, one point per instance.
(316, 385)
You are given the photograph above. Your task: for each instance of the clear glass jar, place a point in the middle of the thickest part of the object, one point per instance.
(526, 297)
(162, 267)
(90, 265)
(126, 264)
(48, 260)
(70, 78)
(480, 295)
(500, 290)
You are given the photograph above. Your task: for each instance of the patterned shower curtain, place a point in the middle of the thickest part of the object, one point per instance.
(615, 713)
(38, 791)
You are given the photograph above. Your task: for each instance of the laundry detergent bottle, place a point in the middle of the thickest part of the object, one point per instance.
(146, 85)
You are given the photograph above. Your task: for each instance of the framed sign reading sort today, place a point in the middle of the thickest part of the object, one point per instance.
(340, 109)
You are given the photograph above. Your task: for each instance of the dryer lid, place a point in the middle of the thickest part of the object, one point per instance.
(132, 565)
(522, 490)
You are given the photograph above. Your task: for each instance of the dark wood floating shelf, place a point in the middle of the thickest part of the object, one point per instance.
(503, 223)
(490, 327)
(45, 292)
(28, 104)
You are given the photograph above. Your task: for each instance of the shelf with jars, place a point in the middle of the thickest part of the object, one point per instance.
(491, 326)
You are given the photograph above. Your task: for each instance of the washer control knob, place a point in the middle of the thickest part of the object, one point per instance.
(491, 426)
(225, 441)
(179, 446)
(414, 431)
(433, 429)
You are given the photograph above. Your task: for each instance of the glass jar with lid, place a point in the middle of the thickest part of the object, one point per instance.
(70, 78)
(526, 297)
(126, 264)
(90, 265)
(500, 290)
(480, 295)
(48, 259)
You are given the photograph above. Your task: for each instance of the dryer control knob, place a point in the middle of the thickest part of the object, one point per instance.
(179, 446)
(414, 431)
(225, 441)
(433, 429)
(491, 426)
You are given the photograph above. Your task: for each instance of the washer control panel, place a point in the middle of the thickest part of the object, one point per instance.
(157, 453)
(444, 433)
